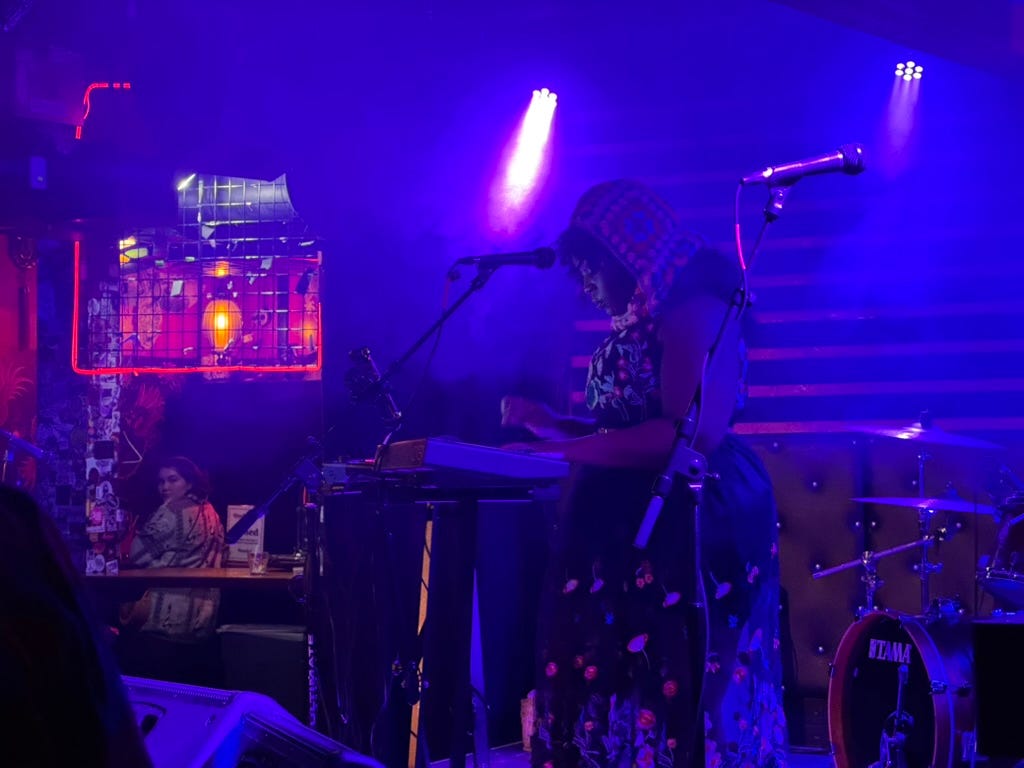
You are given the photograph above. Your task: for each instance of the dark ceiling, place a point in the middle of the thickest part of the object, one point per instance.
(226, 84)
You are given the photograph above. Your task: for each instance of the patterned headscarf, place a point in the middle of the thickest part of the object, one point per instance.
(643, 232)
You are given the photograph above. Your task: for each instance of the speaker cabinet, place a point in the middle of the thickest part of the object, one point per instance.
(999, 680)
(186, 726)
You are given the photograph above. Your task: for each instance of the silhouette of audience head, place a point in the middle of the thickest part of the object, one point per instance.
(63, 702)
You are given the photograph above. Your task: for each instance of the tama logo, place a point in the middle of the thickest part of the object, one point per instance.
(887, 650)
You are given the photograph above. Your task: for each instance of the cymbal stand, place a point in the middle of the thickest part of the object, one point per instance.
(871, 583)
(925, 568)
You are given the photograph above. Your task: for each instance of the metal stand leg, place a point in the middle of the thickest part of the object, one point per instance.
(418, 751)
(312, 572)
(462, 611)
(454, 565)
(312, 681)
(481, 746)
(871, 583)
(925, 568)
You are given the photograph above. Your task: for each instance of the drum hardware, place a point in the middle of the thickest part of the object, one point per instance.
(939, 687)
(945, 609)
(891, 745)
(869, 562)
(925, 568)
(999, 574)
(926, 512)
(924, 433)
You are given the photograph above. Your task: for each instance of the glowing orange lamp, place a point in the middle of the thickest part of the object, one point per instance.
(222, 321)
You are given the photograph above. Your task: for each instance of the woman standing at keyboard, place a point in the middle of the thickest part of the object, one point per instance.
(629, 672)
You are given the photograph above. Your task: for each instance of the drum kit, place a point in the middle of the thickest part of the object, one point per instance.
(902, 687)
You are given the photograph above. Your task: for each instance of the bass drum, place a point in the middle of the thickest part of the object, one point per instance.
(937, 695)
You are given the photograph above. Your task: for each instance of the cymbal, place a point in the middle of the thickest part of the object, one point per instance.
(916, 432)
(936, 505)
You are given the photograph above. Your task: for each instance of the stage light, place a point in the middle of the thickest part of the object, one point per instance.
(547, 97)
(526, 165)
(899, 124)
(183, 184)
(909, 70)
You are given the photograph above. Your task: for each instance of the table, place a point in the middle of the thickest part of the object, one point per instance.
(194, 578)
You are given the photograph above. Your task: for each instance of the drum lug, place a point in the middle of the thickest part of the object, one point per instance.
(938, 687)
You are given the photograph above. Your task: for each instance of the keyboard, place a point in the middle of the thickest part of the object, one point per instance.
(467, 459)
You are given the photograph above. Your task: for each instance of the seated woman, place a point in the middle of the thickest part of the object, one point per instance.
(63, 702)
(169, 633)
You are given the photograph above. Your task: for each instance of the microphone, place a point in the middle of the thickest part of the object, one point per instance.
(542, 258)
(848, 159)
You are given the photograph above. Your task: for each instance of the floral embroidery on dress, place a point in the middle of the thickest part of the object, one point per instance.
(621, 379)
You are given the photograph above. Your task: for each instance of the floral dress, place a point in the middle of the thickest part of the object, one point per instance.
(630, 672)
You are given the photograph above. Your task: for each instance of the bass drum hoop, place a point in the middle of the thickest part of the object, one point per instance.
(931, 657)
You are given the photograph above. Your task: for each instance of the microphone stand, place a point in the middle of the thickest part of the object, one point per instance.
(684, 459)
(378, 385)
(686, 462)
(373, 385)
(7, 455)
(304, 471)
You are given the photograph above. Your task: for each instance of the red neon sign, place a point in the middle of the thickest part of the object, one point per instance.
(86, 104)
(106, 371)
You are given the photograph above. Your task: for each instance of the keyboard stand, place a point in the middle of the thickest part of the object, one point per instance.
(451, 662)
(453, 574)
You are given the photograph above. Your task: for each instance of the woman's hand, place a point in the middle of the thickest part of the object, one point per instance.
(529, 414)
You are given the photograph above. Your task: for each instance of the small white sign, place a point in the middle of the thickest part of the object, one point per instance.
(252, 539)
